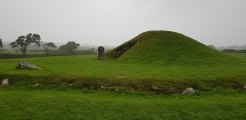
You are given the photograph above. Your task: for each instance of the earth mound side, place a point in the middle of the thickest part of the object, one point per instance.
(167, 47)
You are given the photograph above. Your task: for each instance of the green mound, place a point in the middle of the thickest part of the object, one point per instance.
(166, 47)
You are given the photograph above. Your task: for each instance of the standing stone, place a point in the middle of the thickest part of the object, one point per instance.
(100, 53)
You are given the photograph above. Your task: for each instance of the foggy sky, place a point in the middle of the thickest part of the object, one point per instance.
(113, 22)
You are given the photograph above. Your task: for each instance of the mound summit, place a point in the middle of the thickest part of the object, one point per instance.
(167, 47)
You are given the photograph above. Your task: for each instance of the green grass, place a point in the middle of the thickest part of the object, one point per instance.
(69, 86)
(89, 66)
(161, 58)
(170, 48)
(52, 104)
(87, 71)
(241, 55)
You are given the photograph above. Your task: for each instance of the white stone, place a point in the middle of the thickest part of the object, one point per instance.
(5, 82)
(35, 85)
(188, 91)
(154, 87)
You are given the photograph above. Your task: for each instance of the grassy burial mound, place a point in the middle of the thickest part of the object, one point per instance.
(166, 47)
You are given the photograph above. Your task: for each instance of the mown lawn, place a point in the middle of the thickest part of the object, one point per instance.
(88, 72)
(89, 66)
(86, 104)
(64, 83)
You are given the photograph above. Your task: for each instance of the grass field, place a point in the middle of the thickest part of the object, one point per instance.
(70, 87)
(89, 66)
(53, 104)
(81, 69)
(54, 98)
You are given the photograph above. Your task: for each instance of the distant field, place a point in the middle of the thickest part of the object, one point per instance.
(243, 55)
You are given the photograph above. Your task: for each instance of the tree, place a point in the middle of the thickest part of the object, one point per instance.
(1, 43)
(23, 41)
(49, 45)
(69, 47)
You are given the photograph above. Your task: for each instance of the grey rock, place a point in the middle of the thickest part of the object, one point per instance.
(34, 85)
(5, 82)
(103, 88)
(100, 53)
(27, 65)
(172, 90)
(160, 89)
(155, 87)
(188, 91)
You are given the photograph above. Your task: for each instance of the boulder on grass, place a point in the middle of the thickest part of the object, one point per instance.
(155, 88)
(189, 91)
(5, 82)
(27, 65)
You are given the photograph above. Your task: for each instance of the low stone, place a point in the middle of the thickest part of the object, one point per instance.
(27, 65)
(189, 91)
(5, 82)
(34, 85)
(172, 90)
(155, 87)
(244, 87)
(103, 88)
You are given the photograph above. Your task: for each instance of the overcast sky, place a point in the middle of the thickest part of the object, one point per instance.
(113, 22)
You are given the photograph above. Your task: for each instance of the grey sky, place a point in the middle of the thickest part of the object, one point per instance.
(113, 22)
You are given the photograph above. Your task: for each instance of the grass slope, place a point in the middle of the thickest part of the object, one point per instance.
(169, 48)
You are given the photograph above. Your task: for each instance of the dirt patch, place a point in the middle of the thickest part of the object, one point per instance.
(125, 47)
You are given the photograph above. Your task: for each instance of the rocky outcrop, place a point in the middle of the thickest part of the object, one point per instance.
(125, 47)
(27, 65)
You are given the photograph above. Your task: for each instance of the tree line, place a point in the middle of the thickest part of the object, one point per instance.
(23, 41)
